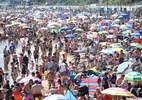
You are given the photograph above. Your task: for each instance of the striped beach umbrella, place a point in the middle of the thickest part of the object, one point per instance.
(91, 83)
(117, 92)
(133, 76)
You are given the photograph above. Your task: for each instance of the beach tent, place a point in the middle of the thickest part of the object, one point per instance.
(70, 95)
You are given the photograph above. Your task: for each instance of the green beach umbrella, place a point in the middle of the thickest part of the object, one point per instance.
(133, 76)
(126, 32)
(102, 32)
(15, 23)
(79, 30)
(137, 45)
(56, 30)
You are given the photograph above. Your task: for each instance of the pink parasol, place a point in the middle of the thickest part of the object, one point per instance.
(111, 36)
(26, 79)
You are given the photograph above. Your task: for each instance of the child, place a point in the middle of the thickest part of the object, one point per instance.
(32, 64)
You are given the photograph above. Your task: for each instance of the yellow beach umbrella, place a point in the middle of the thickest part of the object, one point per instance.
(115, 25)
(22, 25)
(95, 33)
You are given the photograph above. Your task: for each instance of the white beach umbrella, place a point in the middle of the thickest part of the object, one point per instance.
(56, 97)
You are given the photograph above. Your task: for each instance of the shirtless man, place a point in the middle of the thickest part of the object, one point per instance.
(60, 88)
(121, 57)
(36, 90)
(13, 70)
(27, 90)
(50, 77)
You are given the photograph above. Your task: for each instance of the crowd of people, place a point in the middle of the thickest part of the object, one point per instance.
(55, 47)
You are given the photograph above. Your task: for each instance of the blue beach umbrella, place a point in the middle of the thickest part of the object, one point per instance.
(70, 36)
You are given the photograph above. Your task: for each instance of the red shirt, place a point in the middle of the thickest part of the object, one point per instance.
(106, 97)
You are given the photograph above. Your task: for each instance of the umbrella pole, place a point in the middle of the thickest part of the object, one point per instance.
(88, 87)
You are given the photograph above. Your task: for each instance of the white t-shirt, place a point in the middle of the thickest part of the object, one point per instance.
(63, 67)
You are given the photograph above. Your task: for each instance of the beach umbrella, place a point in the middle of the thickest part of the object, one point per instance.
(15, 23)
(111, 36)
(91, 83)
(136, 34)
(115, 25)
(56, 97)
(137, 45)
(56, 29)
(105, 22)
(126, 32)
(68, 31)
(9, 25)
(123, 26)
(81, 51)
(70, 36)
(70, 95)
(52, 27)
(121, 37)
(22, 24)
(117, 20)
(102, 32)
(112, 31)
(79, 30)
(91, 36)
(133, 76)
(118, 49)
(105, 43)
(64, 28)
(82, 17)
(117, 92)
(107, 51)
(27, 27)
(94, 69)
(95, 33)
(116, 45)
(26, 79)
(43, 28)
(54, 23)
(138, 40)
(123, 66)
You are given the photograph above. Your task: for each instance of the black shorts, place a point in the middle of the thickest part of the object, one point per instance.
(35, 56)
(50, 49)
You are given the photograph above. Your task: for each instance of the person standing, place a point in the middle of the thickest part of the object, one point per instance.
(63, 68)
(36, 90)
(1, 77)
(8, 92)
(36, 55)
(27, 90)
(51, 76)
(1, 95)
(121, 57)
(61, 88)
(26, 60)
(105, 81)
